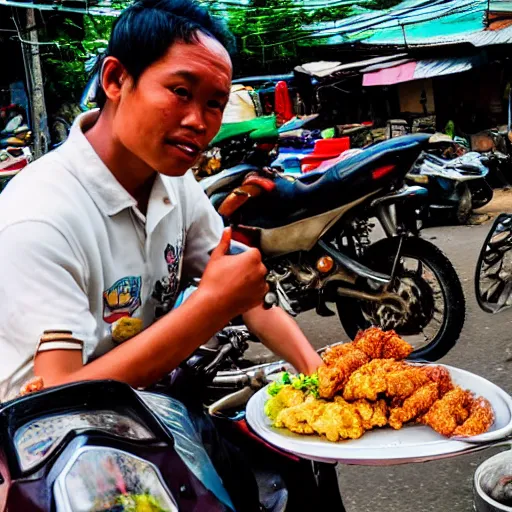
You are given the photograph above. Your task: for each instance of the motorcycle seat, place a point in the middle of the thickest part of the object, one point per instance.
(227, 177)
(343, 183)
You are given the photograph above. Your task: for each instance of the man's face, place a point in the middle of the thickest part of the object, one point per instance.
(176, 108)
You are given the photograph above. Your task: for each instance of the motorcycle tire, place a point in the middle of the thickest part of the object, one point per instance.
(380, 256)
(481, 194)
(464, 207)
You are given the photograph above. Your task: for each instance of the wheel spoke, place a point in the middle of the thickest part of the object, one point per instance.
(419, 270)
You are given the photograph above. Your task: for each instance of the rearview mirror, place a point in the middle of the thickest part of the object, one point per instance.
(493, 276)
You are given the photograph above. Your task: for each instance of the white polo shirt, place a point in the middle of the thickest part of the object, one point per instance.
(77, 255)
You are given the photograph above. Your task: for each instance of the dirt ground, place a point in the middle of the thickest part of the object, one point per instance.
(501, 203)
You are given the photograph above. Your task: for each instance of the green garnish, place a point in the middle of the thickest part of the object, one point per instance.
(308, 384)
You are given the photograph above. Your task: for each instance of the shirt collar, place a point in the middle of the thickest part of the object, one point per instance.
(85, 164)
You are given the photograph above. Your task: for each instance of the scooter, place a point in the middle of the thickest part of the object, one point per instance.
(102, 446)
(456, 186)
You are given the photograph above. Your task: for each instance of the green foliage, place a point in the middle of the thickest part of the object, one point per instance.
(76, 39)
(269, 33)
(267, 30)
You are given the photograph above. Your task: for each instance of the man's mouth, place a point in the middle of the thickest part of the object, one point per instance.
(190, 149)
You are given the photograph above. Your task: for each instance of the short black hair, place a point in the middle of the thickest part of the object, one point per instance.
(146, 30)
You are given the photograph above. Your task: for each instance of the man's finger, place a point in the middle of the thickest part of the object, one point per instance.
(224, 244)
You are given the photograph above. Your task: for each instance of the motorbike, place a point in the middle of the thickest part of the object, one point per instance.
(317, 233)
(456, 186)
(102, 446)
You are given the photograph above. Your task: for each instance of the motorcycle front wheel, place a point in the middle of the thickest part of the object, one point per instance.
(427, 281)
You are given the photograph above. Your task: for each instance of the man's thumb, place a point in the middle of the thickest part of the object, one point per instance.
(224, 244)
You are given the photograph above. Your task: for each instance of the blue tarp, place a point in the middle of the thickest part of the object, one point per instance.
(415, 22)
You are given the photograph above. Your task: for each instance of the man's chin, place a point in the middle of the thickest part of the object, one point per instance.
(173, 171)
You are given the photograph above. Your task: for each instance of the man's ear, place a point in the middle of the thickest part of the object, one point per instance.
(113, 76)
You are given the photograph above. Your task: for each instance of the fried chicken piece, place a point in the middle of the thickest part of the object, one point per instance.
(441, 376)
(335, 420)
(363, 385)
(32, 386)
(371, 379)
(288, 396)
(403, 383)
(338, 420)
(379, 344)
(296, 418)
(332, 378)
(449, 412)
(415, 405)
(373, 414)
(480, 420)
(395, 347)
(332, 354)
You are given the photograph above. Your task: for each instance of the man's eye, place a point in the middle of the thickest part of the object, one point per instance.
(181, 92)
(216, 104)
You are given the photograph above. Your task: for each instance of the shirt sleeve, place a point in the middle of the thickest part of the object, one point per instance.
(204, 229)
(42, 288)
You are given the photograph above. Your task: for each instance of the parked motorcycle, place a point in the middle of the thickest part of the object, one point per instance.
(104, 447)
(317, 235)
(456, 186)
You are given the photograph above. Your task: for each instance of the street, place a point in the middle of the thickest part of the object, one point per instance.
(483, 348)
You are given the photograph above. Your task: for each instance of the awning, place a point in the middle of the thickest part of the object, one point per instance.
(417, 70)
(322, 69)
(420, 23)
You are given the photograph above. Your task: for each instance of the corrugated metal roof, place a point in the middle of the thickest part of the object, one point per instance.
(420, 22)
(500, 6)
(321, 69)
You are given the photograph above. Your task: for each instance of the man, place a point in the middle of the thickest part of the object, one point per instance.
(95, 236)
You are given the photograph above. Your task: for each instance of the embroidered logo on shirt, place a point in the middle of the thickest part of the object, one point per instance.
(166, 289)
(122, 299)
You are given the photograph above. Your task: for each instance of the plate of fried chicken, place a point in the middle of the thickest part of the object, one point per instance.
(368, 405)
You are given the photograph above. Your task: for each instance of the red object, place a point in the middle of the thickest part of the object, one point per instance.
(242, 425)
(382, 171)
(266, 146)
(247, 236)
(325, 149)
(16, 166)
(282, 102)
(264, 183)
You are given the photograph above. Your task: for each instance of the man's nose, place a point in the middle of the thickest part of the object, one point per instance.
(194, 119)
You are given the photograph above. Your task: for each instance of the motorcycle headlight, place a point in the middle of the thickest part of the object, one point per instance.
(37, 439)
(100, 479)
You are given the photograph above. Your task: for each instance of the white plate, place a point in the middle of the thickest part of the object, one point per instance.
(413, 443)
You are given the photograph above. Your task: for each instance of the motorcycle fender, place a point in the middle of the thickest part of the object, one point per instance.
(303, 234)
(404, 194)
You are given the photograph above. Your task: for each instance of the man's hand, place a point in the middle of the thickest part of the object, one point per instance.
(236, 282)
